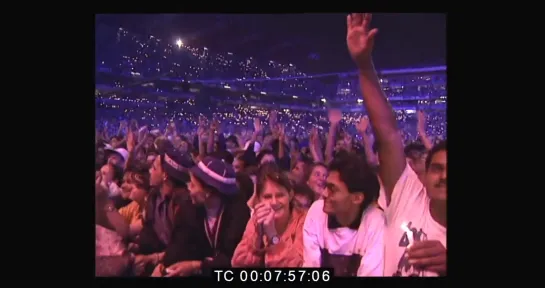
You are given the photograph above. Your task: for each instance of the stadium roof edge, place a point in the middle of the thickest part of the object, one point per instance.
(414, 70)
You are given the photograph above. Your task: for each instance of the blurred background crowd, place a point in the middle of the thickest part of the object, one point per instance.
(255, 143)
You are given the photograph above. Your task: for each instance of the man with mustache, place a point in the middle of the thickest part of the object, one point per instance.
(416, 211)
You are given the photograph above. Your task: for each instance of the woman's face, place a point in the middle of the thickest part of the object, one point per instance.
(278, 197)
(298, 172)
(318, 177)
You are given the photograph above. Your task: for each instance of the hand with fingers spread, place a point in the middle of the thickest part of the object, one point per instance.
(429, 255)
(360, 38)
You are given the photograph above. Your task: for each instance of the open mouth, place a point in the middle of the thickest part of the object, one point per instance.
(276, 208)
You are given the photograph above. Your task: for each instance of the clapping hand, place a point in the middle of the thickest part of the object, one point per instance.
(264, 215)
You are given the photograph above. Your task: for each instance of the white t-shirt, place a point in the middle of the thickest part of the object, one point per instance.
(410, 205)
(367, 241)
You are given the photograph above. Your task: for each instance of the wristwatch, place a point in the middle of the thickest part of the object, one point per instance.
(275, 240)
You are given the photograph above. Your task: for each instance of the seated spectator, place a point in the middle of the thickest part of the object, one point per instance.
(168, 177)
(273, 236)
(111, 255)
(207, 231)
(317, 179)
(136, 183)
(344, 231)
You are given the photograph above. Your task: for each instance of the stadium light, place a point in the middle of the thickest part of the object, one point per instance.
(179, 43)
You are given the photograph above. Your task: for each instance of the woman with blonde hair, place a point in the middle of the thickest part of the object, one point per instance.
(273, 236)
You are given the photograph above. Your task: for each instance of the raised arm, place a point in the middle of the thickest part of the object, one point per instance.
(360, 39)
(335, 116)
(367, 141)
(422, 130)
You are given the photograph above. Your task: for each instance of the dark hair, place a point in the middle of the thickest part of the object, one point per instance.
(118, 173)
(439, 147)
(245, 185)
(175, 182)
(232, 138)
(211, 189)
(314, 165)
(304, 190)
(271, 172)
(358, 176)
(414, 150)
(140, 176)
(262, 154)
(224, 156)
(307, 169)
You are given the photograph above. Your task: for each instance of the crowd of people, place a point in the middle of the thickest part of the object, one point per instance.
(364, 195)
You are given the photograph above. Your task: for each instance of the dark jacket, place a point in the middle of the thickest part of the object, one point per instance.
(189, 241)
(149, 241)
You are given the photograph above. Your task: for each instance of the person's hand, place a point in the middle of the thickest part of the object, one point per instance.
(429, 255)
(421, 124)
(359, 38)
(133, 247)
(131, 141)
(214, 125)
(257, 125)
(363, 124)
(273, 116)
(281, 132)
(140, 262)
(182, 268)
(157, 272)
(265, 216)
(335, 116)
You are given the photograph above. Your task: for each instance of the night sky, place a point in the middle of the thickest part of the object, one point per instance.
(315, 43)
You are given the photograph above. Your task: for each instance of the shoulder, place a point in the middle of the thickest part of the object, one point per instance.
(298, 215)
(374, 215)
(316, 211)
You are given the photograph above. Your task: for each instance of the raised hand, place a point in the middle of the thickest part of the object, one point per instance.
(257, 125)
(131, 141)
(335, 116)
(360, 38)
(363, 124)
(421, 116)
(214, 125)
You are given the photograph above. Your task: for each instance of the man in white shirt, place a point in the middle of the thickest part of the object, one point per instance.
(416, 233)
(344, 230)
